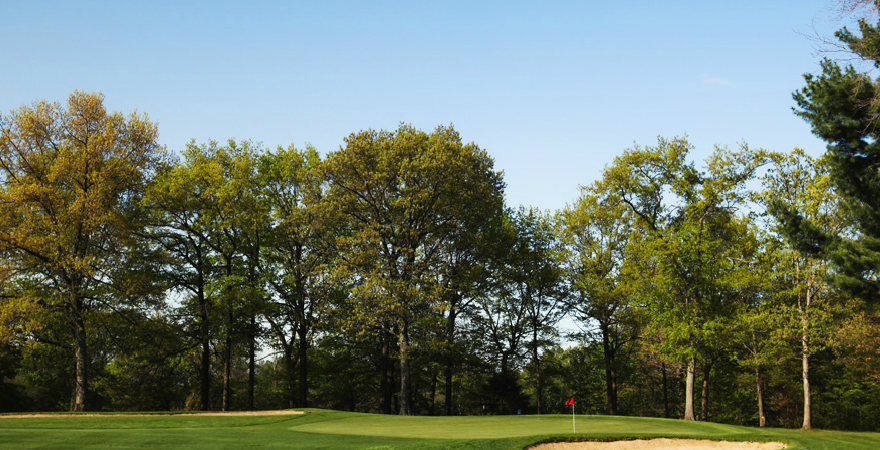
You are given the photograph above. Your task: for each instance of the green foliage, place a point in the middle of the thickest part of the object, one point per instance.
(346, 380)
(11, 398)
(149, 374)
(574, 372)
(236, 277)
(43, 377)
(295, 261)
(71, 179)
(404, 195)
(603, 268)
(698, 244)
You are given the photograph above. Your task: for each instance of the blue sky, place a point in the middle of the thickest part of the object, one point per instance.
(552, 90)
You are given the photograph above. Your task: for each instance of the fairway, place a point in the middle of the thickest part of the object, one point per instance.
(495, 427)
(321, 429)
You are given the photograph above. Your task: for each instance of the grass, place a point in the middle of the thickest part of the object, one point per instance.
(321, 429)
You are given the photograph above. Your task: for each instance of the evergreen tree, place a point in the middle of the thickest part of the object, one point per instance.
(842, 106)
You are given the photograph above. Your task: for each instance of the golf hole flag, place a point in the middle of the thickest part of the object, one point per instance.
(571, 402)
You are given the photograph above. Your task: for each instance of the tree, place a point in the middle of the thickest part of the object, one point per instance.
(296, 258)
(502, 315)
(71, 180)
(179, 224)
(689, 245)
(796, 182)
(599, 231)
(465, 277)
(206, 215)
(761, 327)
(235, 212)
(533, 272)
(405, 194)
(842, 107)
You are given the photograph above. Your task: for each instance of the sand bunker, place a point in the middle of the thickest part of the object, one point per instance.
(661, 444)
(230, 413)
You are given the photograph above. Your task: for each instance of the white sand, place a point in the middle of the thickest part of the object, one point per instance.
(661, 444)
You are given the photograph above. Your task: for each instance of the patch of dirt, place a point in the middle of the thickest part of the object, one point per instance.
(230, 413)
(661, 444)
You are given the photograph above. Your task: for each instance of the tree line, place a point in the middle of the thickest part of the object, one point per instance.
(390, 275)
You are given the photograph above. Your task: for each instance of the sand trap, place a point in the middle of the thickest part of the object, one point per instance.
(661, 444)
(230, 413)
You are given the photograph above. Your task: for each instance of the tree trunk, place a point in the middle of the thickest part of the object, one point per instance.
(80, 358)
(761, 420)
(289, 370)
(805, 349)
(254, 328)
(450, 361)
(351, 394)
(504, 363)
(537, 361)
(610, 375)
(704, 404)
(538, 383)
(303, 366)
(405, 381)
(433, 393)
(805, 362)
(385, 379)
(689, 389)
(302, 328)
(227, 371)
(252, 359)
(205, 337)
(665, 391)
(447, 402)
(227, 363)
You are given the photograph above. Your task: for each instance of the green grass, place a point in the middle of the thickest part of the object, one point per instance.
(322, 429)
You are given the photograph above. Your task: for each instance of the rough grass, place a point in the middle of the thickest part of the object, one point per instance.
(339, 430)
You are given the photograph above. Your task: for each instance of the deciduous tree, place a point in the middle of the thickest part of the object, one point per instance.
(297, 252)
(72, 177)
(797, 182)
(532, 271)
(694, 229)
(405, 194)
(599, 232)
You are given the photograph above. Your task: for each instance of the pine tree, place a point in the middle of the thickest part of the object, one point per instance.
(842, 106)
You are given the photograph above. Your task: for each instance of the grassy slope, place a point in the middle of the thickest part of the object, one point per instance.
(338, 431)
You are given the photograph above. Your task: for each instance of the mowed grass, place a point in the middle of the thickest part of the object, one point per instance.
(320, 429)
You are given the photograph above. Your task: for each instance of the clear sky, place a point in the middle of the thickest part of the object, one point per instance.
(553, 90)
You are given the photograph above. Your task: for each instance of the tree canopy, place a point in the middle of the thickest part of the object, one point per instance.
(72, 178)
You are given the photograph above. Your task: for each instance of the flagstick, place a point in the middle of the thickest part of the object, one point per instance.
(573, 428)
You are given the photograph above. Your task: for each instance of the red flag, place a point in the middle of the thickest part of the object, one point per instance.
(569, 401)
